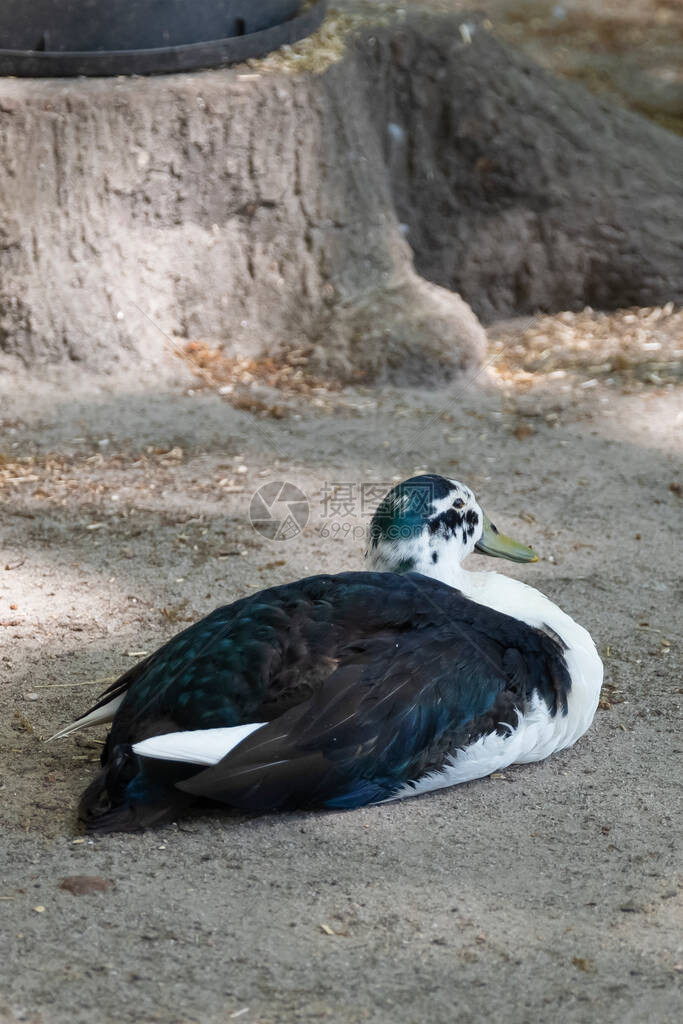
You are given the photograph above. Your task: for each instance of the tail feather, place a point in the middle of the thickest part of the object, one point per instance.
(103, 713)
(123, 798)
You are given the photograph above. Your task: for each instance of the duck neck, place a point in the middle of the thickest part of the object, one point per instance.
(495, 590)
(450, 572)
(500, 592)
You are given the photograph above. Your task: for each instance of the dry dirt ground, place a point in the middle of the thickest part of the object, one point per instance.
(547, 893)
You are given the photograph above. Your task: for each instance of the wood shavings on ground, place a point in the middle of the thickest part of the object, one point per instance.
(237, 377)
(327, 46)
(101, 491)
(638, 345)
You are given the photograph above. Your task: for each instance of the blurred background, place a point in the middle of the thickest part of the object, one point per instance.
(631, 50)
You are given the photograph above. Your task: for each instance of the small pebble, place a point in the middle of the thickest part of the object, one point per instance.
(632, 907)
(80, 885)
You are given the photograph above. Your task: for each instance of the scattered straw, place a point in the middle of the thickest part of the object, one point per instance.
(287, 373)
(642, 343)
(327, 46)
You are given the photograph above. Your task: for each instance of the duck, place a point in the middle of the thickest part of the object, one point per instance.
(341, 690)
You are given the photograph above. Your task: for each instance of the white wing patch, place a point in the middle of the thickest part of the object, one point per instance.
(198, 746)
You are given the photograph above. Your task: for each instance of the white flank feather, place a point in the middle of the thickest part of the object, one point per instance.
(532, 739)
(199, 746)
(104, 714)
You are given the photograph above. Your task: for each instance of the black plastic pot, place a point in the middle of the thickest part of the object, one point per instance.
(126, 37)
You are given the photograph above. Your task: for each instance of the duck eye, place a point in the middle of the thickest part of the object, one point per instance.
(458, 503)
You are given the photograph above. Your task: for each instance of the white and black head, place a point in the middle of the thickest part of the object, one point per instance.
(429, 524)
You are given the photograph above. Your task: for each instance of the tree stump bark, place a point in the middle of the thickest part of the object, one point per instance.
(264, 211)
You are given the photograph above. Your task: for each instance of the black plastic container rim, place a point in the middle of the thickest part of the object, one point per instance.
(161, 60)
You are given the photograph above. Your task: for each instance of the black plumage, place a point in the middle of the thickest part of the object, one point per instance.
(367, 681)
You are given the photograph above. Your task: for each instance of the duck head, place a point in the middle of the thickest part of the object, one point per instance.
(430, 524)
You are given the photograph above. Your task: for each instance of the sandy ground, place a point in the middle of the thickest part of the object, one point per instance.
(546, 894)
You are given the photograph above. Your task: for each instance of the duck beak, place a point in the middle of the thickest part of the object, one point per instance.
(499, 546)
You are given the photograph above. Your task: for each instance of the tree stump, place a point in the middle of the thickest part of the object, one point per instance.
(341, 211)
